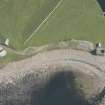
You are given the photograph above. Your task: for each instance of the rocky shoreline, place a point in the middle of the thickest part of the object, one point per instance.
(22, 78)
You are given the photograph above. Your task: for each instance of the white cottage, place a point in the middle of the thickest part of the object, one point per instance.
(7, 42)
(100, 50)
(3, 52)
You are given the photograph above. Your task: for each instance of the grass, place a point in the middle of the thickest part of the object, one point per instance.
(18, 18)
(78, 19)
(73, 19)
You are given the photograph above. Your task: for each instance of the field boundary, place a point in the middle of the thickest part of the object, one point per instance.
(44, 21)
(73, 44)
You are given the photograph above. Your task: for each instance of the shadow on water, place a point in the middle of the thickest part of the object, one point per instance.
(61, 90)
(102, 4)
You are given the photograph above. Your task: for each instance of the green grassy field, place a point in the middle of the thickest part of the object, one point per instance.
(18, 18)
(78, 19)
(72, 19)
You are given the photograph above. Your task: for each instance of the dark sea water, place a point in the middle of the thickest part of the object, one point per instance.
(61, 89)
(102, 4)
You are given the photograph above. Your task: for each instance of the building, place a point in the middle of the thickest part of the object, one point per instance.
(99, 50)
(104, 13)
(7, 42)
(3, 52)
